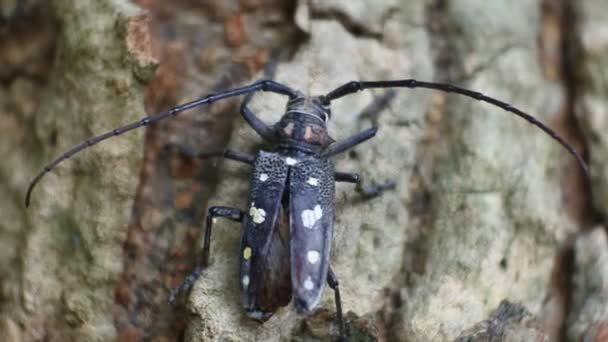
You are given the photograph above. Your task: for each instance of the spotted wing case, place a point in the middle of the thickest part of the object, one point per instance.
(264, 268)
(311, 216)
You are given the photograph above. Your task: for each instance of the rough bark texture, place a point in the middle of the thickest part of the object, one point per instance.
(486, 238)
(590, 297)
(509, 322)
(68, 249)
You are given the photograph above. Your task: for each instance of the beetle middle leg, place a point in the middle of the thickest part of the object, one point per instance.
(188, 152)
(367, 192)
(233, 214)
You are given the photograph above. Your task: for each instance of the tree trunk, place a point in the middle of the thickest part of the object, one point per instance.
(493, 232)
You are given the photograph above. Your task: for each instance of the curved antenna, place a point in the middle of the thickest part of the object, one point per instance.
(264, 85)
(355, 86)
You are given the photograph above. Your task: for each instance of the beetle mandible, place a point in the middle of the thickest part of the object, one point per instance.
(287, 229)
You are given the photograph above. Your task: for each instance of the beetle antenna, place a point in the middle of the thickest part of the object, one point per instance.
(264, 85)
(355, 86)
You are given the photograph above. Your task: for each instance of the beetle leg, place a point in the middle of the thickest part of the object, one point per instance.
(239, 156)
(367, 192)
(189, 152)
(349, 142)
(347, 177)
(332, 281)
(233, 214)
(265, 131)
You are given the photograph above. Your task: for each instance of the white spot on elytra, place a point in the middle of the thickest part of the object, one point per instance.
(263, 177)
(257, 214)
(313, 181)
(313, 257)
(245, 281)
(308, 284)
(290, 161)
(310, 217)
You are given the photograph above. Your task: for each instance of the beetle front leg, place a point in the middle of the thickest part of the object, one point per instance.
(233, 214)
(367, 192)
(332, 281)
(265, 131)
(262, 129)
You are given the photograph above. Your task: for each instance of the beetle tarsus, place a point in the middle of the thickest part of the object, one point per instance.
(375, 190)
(185, 285)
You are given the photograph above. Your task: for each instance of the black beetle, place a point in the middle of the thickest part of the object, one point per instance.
(287, 229)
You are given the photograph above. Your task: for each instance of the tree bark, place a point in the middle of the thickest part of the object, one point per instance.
(487, 236)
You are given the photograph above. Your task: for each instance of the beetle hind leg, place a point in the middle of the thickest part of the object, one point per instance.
(233, 214)
(332, 281)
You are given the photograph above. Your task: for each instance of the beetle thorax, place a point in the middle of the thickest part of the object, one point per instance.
(304, 124)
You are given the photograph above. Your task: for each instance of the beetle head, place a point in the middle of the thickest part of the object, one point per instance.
(305, 123)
